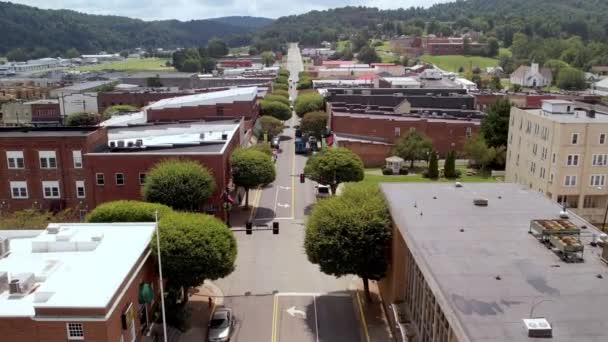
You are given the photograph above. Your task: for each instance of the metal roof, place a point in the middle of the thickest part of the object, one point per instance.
(224, 96)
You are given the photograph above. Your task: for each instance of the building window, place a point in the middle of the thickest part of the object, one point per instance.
(570, 181)
(542, 172)
(18, 190)
(80, 192)
(597, 180)
(572, 160)
(534, 149)
(517, 160)
(469, 132)
(48, 159)
(533, 167)
(543, 154)
(602, 138)
(397, 131)
(568, 201)
(82, 213)
(99, 177)
(591, 202)
(599, 159)
(75, 331)
(15, 159)
(551, 178)
(142, 178)
(553, 158)
(50, 189)
(574, 139)
(120, 178)
(77, 157)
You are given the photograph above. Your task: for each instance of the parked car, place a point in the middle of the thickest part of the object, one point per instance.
(220, 325)
(275, 142)
(322, 191)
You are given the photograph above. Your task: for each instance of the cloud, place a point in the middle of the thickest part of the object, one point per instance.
(200, 9)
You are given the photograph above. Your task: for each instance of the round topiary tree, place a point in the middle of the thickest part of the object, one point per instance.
(277, 98)
(281, 92)
(333, 166)
(180, 184)
(251, 168)
(127, 211)
(309, 102)
(270, 125)
(314, 123)
(278, 110)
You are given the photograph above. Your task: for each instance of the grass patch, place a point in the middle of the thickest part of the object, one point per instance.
(130, 65)
(454, 62)
(238, 50)
(373, 176)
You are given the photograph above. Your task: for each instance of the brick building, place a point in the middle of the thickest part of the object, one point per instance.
(78, 282)
(31, 113)
(136, 98)
(79, 168)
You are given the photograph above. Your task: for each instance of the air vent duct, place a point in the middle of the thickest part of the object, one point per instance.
(480, 202)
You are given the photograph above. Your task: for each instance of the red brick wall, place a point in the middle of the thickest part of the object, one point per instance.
(247, 109)
(484, 101)
(371, 154)
(45, 112)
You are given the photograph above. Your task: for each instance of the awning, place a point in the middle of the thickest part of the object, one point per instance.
(146, 294)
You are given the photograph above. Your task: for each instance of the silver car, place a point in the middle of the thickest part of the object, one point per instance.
(220, 326)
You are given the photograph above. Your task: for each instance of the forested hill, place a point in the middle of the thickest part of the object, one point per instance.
(59, 30)
(546, 18)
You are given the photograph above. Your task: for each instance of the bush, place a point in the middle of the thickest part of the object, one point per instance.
(112, 110)
(283, 72)
(127, 211)
(282, 79)
(280, 86)
(281, 92)
(306, 103)
(387, 171)
(82, 119)
(275, 109)
(277, 98)
(263, 147)
(404, 171)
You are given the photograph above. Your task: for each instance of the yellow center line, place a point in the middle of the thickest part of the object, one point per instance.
(256, 202)
(275, 322)
(363, 321)
(293, 184)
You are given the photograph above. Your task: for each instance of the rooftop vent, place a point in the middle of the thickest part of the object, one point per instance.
(538, 327)
(224, 136)
(112, 144)
(21, 283)
(3, 281)
(202, 136)
(480, 202)
(5, 247)
(139, 142)
(120, 143)
(458, 184)
(52, 229)
(591, 113)
(130, 144)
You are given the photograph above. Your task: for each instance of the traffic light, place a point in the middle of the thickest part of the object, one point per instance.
(275, 228)
(302, 178)
(248, 227)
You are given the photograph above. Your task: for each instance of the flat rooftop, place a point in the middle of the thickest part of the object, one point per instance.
(211, 98)
(408, 117)
(577, 117)
(23, 132)
(77, 272)
(461, 267)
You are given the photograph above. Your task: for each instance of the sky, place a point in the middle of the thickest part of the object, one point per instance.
(201, 9)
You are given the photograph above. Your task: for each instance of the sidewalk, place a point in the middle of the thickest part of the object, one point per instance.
(373, 313)
(200, 311)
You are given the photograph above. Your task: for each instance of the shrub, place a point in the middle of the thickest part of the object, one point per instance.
(127, 211)
(306, 103)
(281, 86)
(284, 72)
(281, 92)
(82, 119)
(112, 110)
(277, 98)
(404, 171)
(263, 147)
(282, 79)
(275, 109)
(387, 171)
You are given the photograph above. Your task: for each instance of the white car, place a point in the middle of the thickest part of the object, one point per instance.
(322, 191)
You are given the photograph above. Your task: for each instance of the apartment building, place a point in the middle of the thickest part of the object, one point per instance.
(562, 151)
(78, 282)
(470, 263)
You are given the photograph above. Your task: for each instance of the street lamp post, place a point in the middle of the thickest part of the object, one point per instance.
(160, 273)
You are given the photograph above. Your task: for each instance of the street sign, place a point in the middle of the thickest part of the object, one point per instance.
(283, 205)
(293, 312)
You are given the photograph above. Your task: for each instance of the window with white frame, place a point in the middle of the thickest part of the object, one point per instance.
(48, 159)
(18, 190)
(602, 138)
(572, 160)
(75, 331)
(468, 132)
(574, 139)
(542, 172)
(100, 179)
(599, 159)
(543, 154)
(15, 159)
(120, 178)
(50, 189)
(534, 149)
(570, 181)
(77, 157)
(597, 180)
(397, 131)
(80, 191)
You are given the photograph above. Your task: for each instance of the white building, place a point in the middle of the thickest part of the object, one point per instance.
(78, 103)
(431, 74)
(466, 84)
(532, 76)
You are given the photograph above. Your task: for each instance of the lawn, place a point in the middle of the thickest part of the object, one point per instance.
(372, 176)
(454, 62)
(239, 50)
(131, 64)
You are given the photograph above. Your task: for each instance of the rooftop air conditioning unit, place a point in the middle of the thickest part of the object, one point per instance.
(480, 202)
(21, 283)
(5, 247)
(112, 144)
(139, 142)
(538, 327)
(130, 144)
(202, 136)
(120, 143)
(3, 281)
(224, 136)
(52, 229)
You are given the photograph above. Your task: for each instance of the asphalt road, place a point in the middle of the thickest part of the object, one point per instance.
(272, 271)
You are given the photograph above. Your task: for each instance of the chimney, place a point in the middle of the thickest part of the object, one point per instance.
(534, 68)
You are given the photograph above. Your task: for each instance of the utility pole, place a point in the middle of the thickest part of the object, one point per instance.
(160, 273)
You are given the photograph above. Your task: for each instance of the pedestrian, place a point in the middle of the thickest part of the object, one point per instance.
(210, 301)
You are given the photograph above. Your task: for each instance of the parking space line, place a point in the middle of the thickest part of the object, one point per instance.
(363, 321)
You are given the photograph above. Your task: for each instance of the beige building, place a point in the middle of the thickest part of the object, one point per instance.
(562, 151)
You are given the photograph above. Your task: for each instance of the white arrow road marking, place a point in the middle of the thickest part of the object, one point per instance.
(293, 312)
(284, 187)
(283, 205)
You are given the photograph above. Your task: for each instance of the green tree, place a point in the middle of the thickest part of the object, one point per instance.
(16, 55)
(116, 109)
(495, 83)
(282, 79)
(277, 98)
(433, 169)
(267, 58)
(521, 46)
(82, 119)
(270, 125)
(306, 103)
(314, 123)
(180, 184)
(466, 46)
(350, 234)
(127, 211)
(495, 125)
(571, 79)
(72, 53)
(124, 53)
(194, 247)
(333, 166)
(479, 152)
(493, 47)
(358, 42)
(154, 82)
(208, 64)
(251, 168)
(191, 65)
(276, 109)
(368, 54)
(217, 48)
(263, 147)
(281, 92)
(449, 168)
(556, 66)
(279, 86)
(40, 52)
(413, 146)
